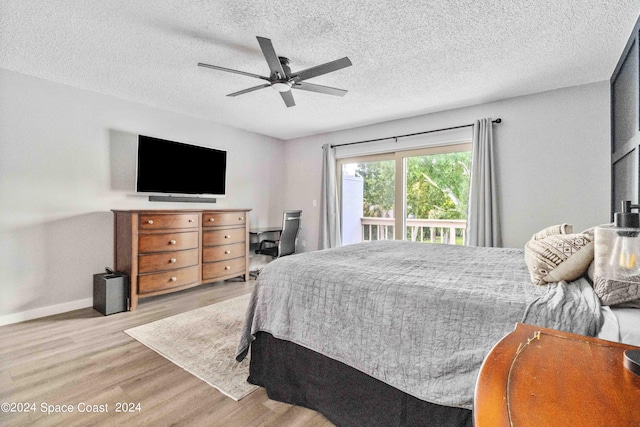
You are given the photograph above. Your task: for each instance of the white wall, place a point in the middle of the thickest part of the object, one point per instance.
(66, 159)
(552, 154)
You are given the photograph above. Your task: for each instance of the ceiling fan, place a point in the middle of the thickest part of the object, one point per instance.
(283, 80)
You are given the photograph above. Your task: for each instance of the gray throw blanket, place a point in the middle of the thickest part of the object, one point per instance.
(417, 316)
(567, 306)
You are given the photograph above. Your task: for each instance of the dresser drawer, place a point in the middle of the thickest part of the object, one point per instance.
(167, 242)
(212, 270)
(224, 252)
(163, 221)
(167, 261)
(167, 280)
(224, 237)
(223, 218)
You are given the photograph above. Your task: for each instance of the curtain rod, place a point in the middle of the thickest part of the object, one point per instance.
(498, 120)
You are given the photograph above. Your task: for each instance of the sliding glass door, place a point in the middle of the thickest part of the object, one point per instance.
(436, 188)
(368, 198)
(418, 195)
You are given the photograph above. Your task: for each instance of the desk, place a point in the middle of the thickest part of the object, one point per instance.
(542, 377)
(256, 264)
(263, 230)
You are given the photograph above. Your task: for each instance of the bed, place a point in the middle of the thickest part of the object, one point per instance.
(394, 332)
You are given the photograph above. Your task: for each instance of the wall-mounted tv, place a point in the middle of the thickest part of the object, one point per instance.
(173, 168)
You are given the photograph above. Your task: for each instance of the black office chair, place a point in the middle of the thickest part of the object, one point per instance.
(286, 245)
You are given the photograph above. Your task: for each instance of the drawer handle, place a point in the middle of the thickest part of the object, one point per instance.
(212, 219)
(172, 242)
(228, 267)
(173, 260)
(174, 278)
(240, 219)
(227, 236)
(227, 252)
(190, 220)
(150, 221)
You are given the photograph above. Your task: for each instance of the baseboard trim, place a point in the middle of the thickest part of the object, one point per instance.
(50, 310)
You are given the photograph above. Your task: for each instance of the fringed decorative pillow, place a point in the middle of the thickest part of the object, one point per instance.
(553, 255)
(553, 230)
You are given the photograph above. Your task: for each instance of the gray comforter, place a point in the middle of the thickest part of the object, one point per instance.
(419, 317)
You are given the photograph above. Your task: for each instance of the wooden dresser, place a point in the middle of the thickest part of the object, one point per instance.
(169, 250)
(543, 377)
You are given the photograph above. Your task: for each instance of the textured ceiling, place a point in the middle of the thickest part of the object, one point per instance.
(409, 57)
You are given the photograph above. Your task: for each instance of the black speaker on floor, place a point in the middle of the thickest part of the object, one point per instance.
(110, 293)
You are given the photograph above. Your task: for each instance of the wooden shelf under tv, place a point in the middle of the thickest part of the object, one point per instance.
(165, 251)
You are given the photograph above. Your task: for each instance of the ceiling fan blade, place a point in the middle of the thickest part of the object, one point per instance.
(311, 87)
(251, 89)
(319, 70)
(270, 55)
(215, 67)
(287, 97)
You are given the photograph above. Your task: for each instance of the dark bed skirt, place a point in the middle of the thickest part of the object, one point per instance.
(347, 397)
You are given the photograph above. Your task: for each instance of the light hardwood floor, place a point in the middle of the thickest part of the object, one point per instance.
(84, 358)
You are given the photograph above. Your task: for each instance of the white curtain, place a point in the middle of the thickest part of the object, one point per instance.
(483, 228)
(329, 202)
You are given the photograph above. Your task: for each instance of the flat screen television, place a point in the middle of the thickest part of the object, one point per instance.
(169, 168)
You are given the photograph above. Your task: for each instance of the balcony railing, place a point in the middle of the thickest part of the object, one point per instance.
(450, 231)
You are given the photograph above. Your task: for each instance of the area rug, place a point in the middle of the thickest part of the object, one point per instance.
(203, 342)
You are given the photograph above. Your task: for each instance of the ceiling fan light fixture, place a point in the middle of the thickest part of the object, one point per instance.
(282, 79)
(281, 86)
